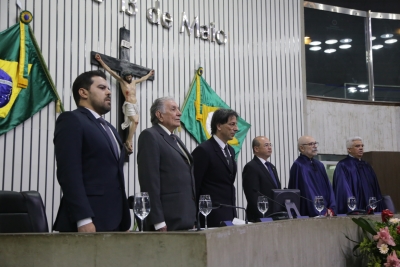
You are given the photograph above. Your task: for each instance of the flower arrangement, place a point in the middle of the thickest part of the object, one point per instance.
(381, 243)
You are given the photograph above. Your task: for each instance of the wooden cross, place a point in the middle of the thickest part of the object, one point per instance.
(119, 65)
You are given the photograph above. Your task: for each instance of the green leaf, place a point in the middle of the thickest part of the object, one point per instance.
(365, 224)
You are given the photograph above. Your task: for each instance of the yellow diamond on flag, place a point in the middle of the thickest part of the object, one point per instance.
(11, 69)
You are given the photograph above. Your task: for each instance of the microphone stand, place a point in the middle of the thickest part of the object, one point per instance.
(369, 205)
(236, 207)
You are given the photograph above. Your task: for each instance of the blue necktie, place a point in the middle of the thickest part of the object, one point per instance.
(271, 172)
(110, 135)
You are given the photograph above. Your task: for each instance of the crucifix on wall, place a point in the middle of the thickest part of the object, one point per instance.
(127, 84)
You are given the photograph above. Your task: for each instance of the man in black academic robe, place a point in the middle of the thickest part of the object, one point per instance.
(355, 177)
(309, 175)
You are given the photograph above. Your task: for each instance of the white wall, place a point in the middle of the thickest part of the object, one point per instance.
(258, 73)
(331, 123)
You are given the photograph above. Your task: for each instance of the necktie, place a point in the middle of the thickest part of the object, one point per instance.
(228, 157)
(110, 135)
(227, 154)
(271, 172)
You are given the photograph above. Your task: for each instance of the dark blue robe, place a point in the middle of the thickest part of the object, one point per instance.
(354, 177)
(309, 175)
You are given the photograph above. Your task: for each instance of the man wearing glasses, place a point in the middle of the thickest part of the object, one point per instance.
(259, 177)
(309, 176)
(355, 177)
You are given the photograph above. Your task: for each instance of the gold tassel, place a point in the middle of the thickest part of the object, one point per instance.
(58, 106)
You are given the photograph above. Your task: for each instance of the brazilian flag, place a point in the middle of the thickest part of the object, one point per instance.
(198, 109)
(25, 83)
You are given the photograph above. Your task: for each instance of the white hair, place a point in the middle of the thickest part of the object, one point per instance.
(350, 140)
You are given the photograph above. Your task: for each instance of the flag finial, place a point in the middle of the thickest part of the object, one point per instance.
(26, 17)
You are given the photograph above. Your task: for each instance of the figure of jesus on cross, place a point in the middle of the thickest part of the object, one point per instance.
(130, 108)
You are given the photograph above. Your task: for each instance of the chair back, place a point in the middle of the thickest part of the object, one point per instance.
(389, 203)
(22, 212)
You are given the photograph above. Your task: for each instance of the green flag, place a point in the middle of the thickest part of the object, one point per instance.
(197, 111)
(25, 83)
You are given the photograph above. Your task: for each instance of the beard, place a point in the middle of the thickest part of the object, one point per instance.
(128, 81)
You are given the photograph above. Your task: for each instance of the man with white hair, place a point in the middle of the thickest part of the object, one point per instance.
(309, 175)
(355, 177)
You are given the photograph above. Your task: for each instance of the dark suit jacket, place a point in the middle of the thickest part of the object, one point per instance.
(164, 172)
(90, 175)
(214, 177)
(256, 177)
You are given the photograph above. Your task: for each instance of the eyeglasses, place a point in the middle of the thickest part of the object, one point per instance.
(311, 144)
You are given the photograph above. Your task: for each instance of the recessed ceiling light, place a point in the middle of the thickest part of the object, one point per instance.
(363, 90)
(331, 50)
(391, 41)
(315, 43)
(345, 46)
(387, 35)
(373, 38)
(377, 46)
(315, 48)
(352, 89)
(346, 40)
(362, 85)
(331, 41)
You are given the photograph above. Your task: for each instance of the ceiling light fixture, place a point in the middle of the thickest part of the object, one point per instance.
(344, 46)
(352, 89)
(377, 46)
(346, 40)
(331, 41)
(391, 41)
(387, 35)
(331, 50)
(315, 43)
(362, 85)
(373, 38)
(363, 90)
(315, 48)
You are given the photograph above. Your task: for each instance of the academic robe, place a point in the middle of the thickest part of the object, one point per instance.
(354, 177)
(309, 175)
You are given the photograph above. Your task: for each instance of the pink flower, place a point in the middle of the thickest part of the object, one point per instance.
(392, 260)
(384, 237)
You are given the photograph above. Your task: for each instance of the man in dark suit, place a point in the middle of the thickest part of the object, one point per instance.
(259, 176)
(166, 170)
(90, 162)
(215, 167)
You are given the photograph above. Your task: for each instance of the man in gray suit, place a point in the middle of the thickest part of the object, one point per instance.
(166, 170)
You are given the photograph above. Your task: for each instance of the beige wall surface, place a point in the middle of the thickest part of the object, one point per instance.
(331, 123)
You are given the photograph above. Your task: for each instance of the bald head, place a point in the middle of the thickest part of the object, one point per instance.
(262, 147)
(307, 146)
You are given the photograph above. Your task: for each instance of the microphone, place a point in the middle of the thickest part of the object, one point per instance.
(373, 203)
(261, 194)
(236, 207)
(313, 203)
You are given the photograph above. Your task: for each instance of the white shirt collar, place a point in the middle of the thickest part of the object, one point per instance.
(165, 129)
(219, 141)
(262, 160)
(94, 113)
